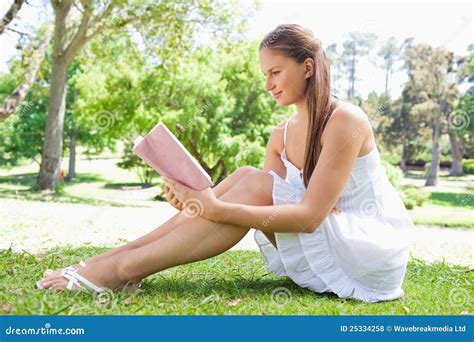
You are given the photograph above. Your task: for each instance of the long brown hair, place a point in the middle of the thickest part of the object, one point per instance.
(299, 43)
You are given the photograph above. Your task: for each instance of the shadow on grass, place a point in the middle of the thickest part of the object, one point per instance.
(59, 197)
(29, 192)
(414, 175)
(452, 199)
(24, 179)
(127, 186)
(29, 179)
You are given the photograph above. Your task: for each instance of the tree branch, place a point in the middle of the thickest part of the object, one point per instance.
(18, 95)
(78, 40)
(10, 15)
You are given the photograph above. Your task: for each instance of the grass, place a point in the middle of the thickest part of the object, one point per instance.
(20, 186)
(452, 199)
(450, 204)
(235, 283)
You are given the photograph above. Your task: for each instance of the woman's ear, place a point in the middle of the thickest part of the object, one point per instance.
(308, 68)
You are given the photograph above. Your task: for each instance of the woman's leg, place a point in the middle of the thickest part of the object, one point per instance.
(192, 240)
(220, 189)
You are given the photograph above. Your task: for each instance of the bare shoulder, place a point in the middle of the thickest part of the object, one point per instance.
(276, 138)
(348, 120)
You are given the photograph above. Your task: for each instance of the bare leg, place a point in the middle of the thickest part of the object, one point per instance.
(192, 240)
(220, 189)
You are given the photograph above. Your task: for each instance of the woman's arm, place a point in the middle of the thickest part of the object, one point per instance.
(343, 139)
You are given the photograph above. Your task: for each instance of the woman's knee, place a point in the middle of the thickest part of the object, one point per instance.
(245, 170)
(259, 183)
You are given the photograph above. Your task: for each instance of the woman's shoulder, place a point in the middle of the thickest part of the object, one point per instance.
(348, 114)
(347, 118)
(276, 138)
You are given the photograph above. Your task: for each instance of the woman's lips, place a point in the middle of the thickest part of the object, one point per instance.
(277, 95)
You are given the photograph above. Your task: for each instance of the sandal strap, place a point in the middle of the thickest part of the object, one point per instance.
(75, 279)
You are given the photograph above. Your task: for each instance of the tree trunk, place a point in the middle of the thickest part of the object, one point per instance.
(50, 167)
(432, 178)
(53, 141)
(72, 154)
(352, 91)
(457, 153)
(403, 160)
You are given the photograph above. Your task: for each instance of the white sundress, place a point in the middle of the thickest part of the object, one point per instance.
(360, 253)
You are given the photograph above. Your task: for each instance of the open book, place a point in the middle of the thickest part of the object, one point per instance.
(164, 152)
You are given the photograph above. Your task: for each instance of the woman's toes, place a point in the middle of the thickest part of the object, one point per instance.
(48, 272)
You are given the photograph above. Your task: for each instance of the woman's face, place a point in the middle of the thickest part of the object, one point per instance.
(285, 78)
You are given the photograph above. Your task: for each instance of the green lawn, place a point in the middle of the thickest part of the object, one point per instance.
(100, 182)
(450, 204)
(235, 283)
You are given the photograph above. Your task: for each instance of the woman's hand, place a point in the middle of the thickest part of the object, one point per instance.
(195, 203)
(171, 198)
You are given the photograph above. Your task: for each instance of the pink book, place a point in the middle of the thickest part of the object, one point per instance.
(164, 152)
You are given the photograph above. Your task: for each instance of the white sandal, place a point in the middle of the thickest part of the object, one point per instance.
(75, 279)
(81, 264)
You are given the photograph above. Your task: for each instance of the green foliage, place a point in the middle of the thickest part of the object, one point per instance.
(468, 166)
(413, 197)
(394, 173)
(213, 101)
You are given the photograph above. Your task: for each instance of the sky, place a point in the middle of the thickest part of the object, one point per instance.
(440, 23)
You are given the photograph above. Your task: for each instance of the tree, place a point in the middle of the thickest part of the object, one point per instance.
(355, 46)
(461, 118)
(389, 52)
(429, 68)
(11, 14)
(336, 64)
(168, 22)
(13, 102)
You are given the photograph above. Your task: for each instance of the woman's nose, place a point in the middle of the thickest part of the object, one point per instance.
(269, 85)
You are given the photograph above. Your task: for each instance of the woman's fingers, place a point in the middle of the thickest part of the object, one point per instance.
(171, 198)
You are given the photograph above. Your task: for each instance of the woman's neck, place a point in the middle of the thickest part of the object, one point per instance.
(302, 112)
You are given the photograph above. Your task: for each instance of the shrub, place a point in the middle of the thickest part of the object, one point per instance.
(468, 166)
(394, 173)
(413, 197)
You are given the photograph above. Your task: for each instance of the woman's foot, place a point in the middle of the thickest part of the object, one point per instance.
(50, 272)
(102, 273)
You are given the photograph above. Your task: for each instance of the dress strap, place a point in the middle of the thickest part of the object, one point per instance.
(284, 135)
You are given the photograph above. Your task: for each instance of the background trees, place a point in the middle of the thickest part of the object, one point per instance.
(115, 68)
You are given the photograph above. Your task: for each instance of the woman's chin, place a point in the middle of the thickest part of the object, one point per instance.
(282, 103)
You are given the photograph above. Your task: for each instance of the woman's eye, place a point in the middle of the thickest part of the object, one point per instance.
(275, 72)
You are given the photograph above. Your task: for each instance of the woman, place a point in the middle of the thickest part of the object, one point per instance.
(322, 157)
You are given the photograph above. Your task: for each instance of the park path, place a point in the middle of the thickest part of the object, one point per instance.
(38, 226)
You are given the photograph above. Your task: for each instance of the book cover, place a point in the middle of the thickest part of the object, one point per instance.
(161, 150)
